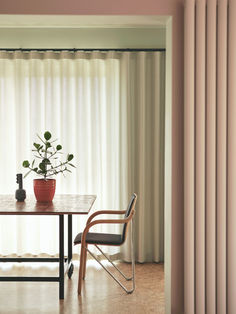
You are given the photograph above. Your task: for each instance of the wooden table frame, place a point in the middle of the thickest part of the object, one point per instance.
(75, 203)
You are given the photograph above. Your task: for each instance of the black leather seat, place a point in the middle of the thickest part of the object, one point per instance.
(100, 238)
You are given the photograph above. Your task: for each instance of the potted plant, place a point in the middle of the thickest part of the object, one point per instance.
(46, 154)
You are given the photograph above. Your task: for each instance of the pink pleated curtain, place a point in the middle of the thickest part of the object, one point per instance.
(210, 157)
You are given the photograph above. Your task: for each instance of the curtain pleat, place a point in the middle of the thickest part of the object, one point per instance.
(146, 150)
(140, 152)
(221, 156)
(200, 147)
(210, 153)
(107, 108)
(211, 159)
(156, 151)
(189, 218)
(231, 184)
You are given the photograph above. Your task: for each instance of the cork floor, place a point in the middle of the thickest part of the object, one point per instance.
(100, 294)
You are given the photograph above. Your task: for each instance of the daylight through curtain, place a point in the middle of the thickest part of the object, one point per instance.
(107, 108)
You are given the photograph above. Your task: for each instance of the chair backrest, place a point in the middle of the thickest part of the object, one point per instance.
(130, 209)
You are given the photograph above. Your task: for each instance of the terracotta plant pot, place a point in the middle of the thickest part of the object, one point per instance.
(44, 190)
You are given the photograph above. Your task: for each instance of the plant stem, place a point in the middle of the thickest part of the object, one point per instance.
(64, 163)
(49, 175)
(45, 156)
(52, 154)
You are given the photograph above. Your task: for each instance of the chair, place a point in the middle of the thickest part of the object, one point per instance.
(86, 238)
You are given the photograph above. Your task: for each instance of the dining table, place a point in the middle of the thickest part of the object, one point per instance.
(61, 206)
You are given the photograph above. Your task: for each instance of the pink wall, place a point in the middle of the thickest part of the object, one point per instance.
(164, 7)
(139, 7)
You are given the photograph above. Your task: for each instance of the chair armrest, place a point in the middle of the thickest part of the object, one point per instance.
(100, 212)
(102, 221)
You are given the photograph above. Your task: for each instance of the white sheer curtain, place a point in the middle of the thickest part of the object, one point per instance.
(104, 107)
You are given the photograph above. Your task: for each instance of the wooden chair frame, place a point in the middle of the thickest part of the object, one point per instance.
(84, 245)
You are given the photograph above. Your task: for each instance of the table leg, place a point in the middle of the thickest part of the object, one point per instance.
(61, 256)
(70, 266)
(69, 238)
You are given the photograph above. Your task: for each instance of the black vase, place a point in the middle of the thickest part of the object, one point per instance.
(20, 195)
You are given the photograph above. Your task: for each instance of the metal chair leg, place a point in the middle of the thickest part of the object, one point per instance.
(114, 265)
(133, 254)
(133, 265)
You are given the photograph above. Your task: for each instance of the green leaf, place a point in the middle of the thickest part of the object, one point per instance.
(48, 145)
(27, 173)
(70, 157)
(46, 161)
(37, 146)
(71, 165)
(42, 166)
(26, 164)
(47, 135)
(59, 147)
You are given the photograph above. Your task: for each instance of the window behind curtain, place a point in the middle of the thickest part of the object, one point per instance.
(107, 108)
